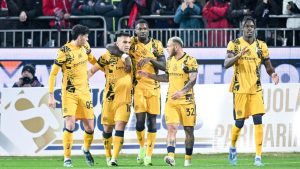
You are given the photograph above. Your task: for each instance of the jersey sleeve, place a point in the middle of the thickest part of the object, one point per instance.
(265, 50)
(88, 51)
(230, 47)
(192, 65)
(61, 56)
(168, 65)
(103, 61)
(159, 48)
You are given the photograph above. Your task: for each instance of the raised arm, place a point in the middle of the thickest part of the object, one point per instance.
(231, 58)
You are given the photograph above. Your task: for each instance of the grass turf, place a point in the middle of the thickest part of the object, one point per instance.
(201, 161)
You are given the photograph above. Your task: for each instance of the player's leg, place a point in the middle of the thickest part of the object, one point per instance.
(68, 139)
(140, 107)
(171, 144)
(121, 119)
(239, 111)
(151, 137)
(87, 140)
(189, 144)
(188, 116)
(258, 129)
(118, 141)
(107, 141)
(257, 110)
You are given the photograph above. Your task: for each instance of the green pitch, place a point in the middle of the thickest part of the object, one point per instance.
(200, 161)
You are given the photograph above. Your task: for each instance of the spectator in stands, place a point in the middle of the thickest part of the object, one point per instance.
(215, 12)
(137, 7)
(25, 10)
(239, 9)
(3, 8)
(61, 9)
(28, 78)
(263, 9)
(292, 7)
(164, 7)
(182, 17)
(109, 9)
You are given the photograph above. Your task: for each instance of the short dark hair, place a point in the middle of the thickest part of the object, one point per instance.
(141, 21)
(248, 18)
(79, 30)
(122, 33)
(30, 68)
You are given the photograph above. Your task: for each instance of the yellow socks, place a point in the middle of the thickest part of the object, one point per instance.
(141, 137)
(118, 143)
(151, 137)
(258, 138)
(235, 133)
(107, 141)
(87, 140)
(67, 142)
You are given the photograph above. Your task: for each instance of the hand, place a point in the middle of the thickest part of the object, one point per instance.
(177, 95)
(51, 101)
(183, 6)
(243, 51)
(265, 1)
(91, 3)
(143, 61)
(144, 73)
(128, 65)
(23, 16)
(275, 78)
(67, 16)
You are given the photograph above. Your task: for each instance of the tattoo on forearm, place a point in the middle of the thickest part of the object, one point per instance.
(161, 78)
(192, 81)
(160, 63)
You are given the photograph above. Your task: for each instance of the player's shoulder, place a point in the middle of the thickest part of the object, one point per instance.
(66, 47)
(261, 42)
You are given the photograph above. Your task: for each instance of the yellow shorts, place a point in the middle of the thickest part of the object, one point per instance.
(78, 105)
(184, 114)
(246, 105)
(147, 101)
(112, 112)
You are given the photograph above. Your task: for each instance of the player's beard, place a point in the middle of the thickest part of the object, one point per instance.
(173, 52)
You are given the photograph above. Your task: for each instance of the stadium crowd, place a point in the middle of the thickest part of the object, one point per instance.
(215, 14)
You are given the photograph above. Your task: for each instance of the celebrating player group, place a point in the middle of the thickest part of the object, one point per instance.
(131, 66)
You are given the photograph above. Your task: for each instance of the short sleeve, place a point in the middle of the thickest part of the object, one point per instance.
(61, 56)
(159, 48)
(265, 50)
(230, 47)
(192, 65)
(168, 65)
(103, 60)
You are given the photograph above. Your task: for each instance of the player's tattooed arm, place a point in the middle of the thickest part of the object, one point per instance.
(191, 82)
(160, 78)
(188, 86)
(113, 49)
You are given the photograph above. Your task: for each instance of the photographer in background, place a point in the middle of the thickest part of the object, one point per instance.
(28, 78)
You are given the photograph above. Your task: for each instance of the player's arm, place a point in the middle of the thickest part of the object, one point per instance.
(160, 78)
(271, 71)
(231, 58)
(160, 63)
(54, 71)
(93, 70)
(188, 86)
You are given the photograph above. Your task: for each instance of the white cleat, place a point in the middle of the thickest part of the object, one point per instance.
(113, 162)
(68, 163)
(170, 160)
(187, 163)
(108, 161)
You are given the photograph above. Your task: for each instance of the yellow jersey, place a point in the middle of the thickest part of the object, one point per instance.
(246, 78)
(118, 82)
(73, 60)
(178, 71)
(138, 51)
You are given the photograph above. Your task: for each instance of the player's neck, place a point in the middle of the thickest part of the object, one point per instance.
(144, 40)
(75, 43)
(250, 40)
(179, 54)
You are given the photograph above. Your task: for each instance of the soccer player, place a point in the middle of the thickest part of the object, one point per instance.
(180, 108)
(246, 54)
(77, 104)
(117, 96)
(147, 54)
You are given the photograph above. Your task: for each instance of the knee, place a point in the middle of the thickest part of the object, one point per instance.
(151, 124)
(172, 129)
(139, 126)
(257, 119)
(239, 123)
